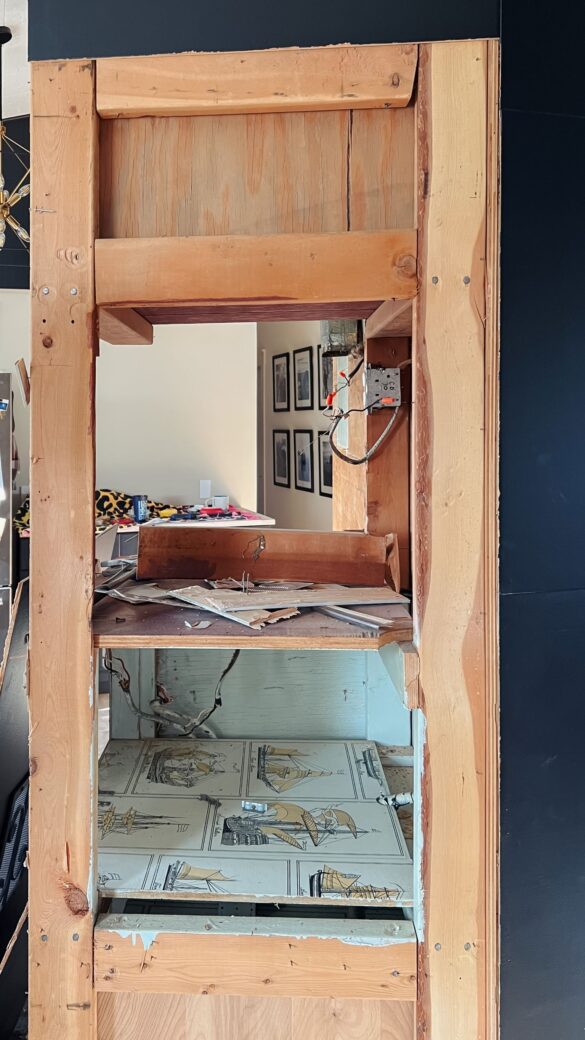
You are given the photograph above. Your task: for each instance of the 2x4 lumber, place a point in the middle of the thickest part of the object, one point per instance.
(237, 269)
(454, 623)
(122, 326)
(392, 318)
(256, 957)
(295, 80)
(62, 701)
(172, 551)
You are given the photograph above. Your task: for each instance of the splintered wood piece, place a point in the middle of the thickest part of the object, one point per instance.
(172, 551)
(291, 80)
(239, 269)
(232, 601)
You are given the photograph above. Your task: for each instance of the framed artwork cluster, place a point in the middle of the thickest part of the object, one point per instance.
(305, 442)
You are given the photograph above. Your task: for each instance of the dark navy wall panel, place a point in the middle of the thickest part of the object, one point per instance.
(68, 28)
(543, 353)
(543, 816)
(544, 48)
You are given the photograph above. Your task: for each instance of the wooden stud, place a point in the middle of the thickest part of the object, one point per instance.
(237, 269)
(454, 622)
(124, 327)
(267, 958)
(392, 318)
(491, 540)
(62, 703)
(297, 80)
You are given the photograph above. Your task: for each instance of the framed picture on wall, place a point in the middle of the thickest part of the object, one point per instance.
(325, 373)
(280, 383)
(303, 442)
(325, 465)
(281, 457)
(303, 377)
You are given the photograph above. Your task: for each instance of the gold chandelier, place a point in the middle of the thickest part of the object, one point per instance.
(9, 198)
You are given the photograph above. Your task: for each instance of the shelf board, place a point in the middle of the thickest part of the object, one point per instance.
(119, 625)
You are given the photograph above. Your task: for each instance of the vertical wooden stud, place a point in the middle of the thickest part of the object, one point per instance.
(62, 700)
(454, 534)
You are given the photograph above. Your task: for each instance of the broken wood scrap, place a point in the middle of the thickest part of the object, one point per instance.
(266, 599)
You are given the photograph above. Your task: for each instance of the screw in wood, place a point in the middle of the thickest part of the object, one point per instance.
(44, 938)
(466, 280)
(467, 946)
(437, 947)
(75, 937)
(435, 280)
(45, 290)
(73, 291)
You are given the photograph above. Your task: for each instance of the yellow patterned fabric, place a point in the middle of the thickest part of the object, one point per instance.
(110, 508)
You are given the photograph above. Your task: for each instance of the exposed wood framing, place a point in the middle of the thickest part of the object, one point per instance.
(268, 958)
(404, 669)
(311, 79)
(240, 269)
(392, 318)
(135, 1016)
(123, 326)
(454, 623)
(62, 703)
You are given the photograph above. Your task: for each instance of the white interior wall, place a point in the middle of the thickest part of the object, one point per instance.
(292, 508)
(181, 410)
(15, 344)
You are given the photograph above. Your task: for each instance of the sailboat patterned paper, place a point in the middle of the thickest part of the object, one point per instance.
(171, 819)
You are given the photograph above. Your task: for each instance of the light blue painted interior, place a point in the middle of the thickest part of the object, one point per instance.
(321, 694)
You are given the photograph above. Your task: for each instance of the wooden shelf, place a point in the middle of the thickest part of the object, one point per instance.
(119, 625)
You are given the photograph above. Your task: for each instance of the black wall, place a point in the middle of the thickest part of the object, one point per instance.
(543, 423)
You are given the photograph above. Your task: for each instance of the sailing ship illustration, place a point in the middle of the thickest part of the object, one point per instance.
(185, 766)
(332, 882)
(287, 822)
(282, 768)
(182, 876)
(369, 761)
(112, 820)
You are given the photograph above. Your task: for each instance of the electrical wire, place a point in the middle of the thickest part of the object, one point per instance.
(371, 451)
(161, 712)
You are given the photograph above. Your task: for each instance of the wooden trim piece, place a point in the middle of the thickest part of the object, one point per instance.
(392, 318)
(455, 622)
(62, 703)
(123, 326)
(402, 663)
(255, 957)
(236, 269)
(491, 540)
(347, 558)
(297, 80)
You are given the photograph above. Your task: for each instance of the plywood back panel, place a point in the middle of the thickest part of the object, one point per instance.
(257, 174)
(136, 1016)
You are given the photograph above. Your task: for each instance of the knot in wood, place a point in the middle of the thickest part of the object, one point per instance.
(47, 341)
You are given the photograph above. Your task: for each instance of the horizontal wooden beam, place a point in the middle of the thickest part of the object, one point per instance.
(123, 326)
(296, 80)
(238, 269)
(193, 315)
(255, 957)
(196, 552)
(392, 318)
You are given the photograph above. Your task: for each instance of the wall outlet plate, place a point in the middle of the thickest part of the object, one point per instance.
(382, 387)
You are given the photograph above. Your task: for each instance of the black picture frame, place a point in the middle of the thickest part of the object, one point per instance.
(307, 451)
(325, 465)
(303, 379)
(283, 437)
(325, 386)
(279, 362)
